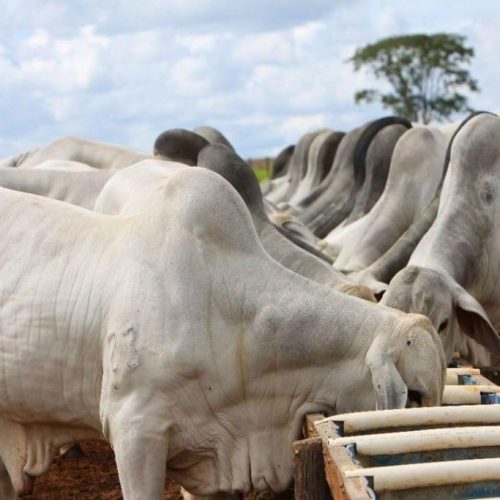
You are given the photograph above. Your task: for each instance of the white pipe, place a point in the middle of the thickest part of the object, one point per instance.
(396, 443)
(466, 394)
(463, 370)
(403, 477)
(452, 374)
(412, 417)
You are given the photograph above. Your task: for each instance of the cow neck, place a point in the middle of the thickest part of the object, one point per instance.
(314, 167)
(282, 162)
(466, 220)
(387, 265)
(377, 165)
(360, 144)
(338, 182)
(298, 164)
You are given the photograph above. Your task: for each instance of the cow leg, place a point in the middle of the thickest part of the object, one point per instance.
(7, 491)
(140, 443)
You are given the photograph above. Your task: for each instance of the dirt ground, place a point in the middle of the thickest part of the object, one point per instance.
(94, 477)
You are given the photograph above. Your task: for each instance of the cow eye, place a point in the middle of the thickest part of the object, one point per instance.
(443, 325)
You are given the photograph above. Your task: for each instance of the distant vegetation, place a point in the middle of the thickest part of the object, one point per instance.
(425, 73)
(262, 167)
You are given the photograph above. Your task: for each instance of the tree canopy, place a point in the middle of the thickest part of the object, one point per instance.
(425, 73)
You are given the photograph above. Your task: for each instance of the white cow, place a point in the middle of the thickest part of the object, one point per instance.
(54, 172)
(65, 165)
(78, 187)
(296, 170)
(451, 276)
(279, 175)
(319, 160)
(369, 163)
(92, 153)
(135, 187)
(172, 334)
(213, 136)
(415, 172)
(139, 185)
(383, 269)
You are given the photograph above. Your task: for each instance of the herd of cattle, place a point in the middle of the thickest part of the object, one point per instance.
(169, 304)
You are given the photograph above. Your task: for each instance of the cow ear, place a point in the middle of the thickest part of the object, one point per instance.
(474, 321)
(390, 390)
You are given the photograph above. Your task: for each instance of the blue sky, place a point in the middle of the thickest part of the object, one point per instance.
(263, 72)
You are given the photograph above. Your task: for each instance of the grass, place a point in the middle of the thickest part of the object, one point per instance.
(261, 167)
(262, 173)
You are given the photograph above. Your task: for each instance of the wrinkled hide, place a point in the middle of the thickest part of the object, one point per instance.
(377, 162)
(206, 378)
(372, 153)
(380, 272)
(123, 196)
(337, 185)
(238, 173)
(453, 270)
(414, 176)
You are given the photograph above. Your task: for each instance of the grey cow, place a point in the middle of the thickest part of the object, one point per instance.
(415, 173)
(454, 268)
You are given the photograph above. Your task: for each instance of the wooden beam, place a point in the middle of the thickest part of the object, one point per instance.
(309, 470)
(337, 460)
(309, 427)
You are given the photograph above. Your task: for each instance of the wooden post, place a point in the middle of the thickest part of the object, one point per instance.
(353, 488)
(309, 470)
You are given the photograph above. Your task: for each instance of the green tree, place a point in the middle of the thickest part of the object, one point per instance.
(425, 73)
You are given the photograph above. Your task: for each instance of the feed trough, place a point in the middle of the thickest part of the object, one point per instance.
(452, 451)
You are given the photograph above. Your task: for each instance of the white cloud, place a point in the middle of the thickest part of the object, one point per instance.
(118, 16)
(264, 72)
(274, 48)
(295, 126)
(61, 65)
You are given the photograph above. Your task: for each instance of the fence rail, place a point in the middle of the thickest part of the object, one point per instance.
(452, 451)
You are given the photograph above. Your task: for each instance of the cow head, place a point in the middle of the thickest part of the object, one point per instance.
(450, 308)
(407, 360)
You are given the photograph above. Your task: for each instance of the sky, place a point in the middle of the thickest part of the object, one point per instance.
(264, 72)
